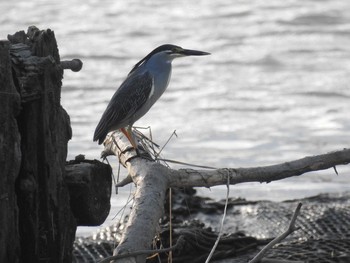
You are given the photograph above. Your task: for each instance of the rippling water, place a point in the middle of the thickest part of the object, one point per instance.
(276, 87)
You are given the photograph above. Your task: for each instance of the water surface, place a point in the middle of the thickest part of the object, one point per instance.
(275, 89)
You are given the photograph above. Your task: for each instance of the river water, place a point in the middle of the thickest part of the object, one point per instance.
(275, 89)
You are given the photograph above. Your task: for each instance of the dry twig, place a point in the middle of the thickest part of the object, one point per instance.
(222, 222)
(180, 242)
(291, 229)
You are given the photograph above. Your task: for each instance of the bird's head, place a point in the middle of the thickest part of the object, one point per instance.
(176, 51)
(170, 52)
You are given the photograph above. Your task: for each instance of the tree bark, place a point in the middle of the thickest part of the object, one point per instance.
(153, 179)
(148, 206)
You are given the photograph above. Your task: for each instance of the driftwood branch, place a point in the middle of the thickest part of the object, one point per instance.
(208, 178)
(291, 228)
(153, 179)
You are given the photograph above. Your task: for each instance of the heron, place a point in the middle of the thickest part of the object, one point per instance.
(143, 86)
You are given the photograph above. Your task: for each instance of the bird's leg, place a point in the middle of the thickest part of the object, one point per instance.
(128, 133)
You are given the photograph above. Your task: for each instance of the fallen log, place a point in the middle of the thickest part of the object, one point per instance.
(152, 179)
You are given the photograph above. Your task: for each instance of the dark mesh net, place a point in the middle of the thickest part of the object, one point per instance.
(323, 234)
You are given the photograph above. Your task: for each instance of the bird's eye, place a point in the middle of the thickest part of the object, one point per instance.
(176, 50)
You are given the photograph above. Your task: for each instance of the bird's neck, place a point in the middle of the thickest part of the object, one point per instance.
(160, 68)
(159, 63)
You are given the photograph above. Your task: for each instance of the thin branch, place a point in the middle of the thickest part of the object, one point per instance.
(123, 208)
(222, 222)
(180, 242)
(170, 257)
(125, 181)
(166, 143)
(184, 163)
(272, 260)
(291, 229)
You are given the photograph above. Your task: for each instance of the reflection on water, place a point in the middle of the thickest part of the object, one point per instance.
(275, 88)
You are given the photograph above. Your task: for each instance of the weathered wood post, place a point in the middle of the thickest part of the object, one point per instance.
(46, 223)
(37, 218)
(10, 158)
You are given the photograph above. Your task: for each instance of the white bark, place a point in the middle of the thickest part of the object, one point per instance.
(208, 178)
(151, 184)
(152, 180)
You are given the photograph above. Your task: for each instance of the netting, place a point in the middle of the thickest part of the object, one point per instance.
(323, 234)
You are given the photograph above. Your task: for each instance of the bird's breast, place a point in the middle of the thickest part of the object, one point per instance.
(160, 83)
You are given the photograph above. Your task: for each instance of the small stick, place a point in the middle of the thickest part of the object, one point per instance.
(125, 181)
(270, 260)
(222, 222)
(188, 164)
(170, 257)
(291, 229)
(179, 243)
(171, 136)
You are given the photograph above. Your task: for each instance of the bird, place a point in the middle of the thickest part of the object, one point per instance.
(143, 86)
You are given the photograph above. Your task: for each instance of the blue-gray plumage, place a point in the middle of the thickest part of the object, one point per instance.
(143, 86)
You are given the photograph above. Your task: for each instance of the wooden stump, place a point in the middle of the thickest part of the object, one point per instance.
(10, 159)
(46, 223)
(37, 222)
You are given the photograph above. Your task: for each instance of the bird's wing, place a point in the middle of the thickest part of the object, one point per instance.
(126, 101)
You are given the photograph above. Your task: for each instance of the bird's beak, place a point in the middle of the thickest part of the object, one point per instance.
(189, 52)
